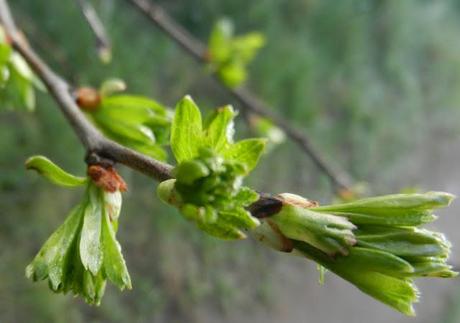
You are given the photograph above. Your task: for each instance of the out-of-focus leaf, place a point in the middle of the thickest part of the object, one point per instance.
(246, 46)
(232, 74)
(53, 173)
(111, 86)
(220, 40)
(135, 102)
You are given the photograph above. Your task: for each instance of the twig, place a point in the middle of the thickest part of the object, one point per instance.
(249, 101)
(96, 144)
(102, 40)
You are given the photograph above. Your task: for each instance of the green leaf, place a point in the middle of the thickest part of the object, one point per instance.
(186, 130)
(90, 239)
(222, 230)
(220, 41)
(407, 242)
(220, 130)
(247, 152)
(114, 263)
(331, 234)
(376, 260)
(137, 107)
(125, 129)
(53, 173)
(246, 46)
(232, 73)
(5, 54)
(431, 267)
(21, 66)
(393, 204)
(111, 86)
(54, 257)
(396, 292)
(239, 218)
(189, 171)
(392, 210)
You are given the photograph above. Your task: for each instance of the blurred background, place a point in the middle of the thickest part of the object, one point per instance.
(375, 84)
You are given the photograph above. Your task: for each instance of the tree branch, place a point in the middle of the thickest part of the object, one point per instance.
(98, 147)
(249, 101)
(90, 137)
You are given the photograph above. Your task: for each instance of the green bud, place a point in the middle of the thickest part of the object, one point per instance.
(329, 233)
(190, 171)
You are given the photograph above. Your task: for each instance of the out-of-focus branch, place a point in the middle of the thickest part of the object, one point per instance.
(248, 100)
(98, 147)
(103, 45)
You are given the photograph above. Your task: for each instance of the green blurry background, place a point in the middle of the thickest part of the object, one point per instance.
(376, 84)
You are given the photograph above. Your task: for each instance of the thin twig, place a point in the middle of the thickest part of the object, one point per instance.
(95, 143)
(103, 45)
(249, 101)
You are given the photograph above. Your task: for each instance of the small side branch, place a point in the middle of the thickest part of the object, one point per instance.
(103, 45)
(248, 101)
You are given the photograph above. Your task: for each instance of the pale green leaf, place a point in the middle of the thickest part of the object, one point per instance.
(90, 238)
(57, 252)
(114, 263)
(220, 130)
(186, 130)
(54, 173)
(246, 151)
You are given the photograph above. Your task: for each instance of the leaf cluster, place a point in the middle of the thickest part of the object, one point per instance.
(375, 243)
(17, 81)
(83, 253)
(211, 167)
(229, 55)
(135, 121)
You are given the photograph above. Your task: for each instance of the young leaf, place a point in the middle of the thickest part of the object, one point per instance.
(53, 173)
(53, 259)
(114, 263)
(220, 40)
(186, 130)
(396, 292)
(246, 151)
(111, 86)
(90, 241)
(220, 130)
(391, 210)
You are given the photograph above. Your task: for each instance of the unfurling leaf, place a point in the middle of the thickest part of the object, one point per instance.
(53, 173)
(189, 135)
(373, 243)
(247, 152)
(186, 130)
(83, 252)
(134, 121)
(17, 81)
(208, 191)
(211, 167)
